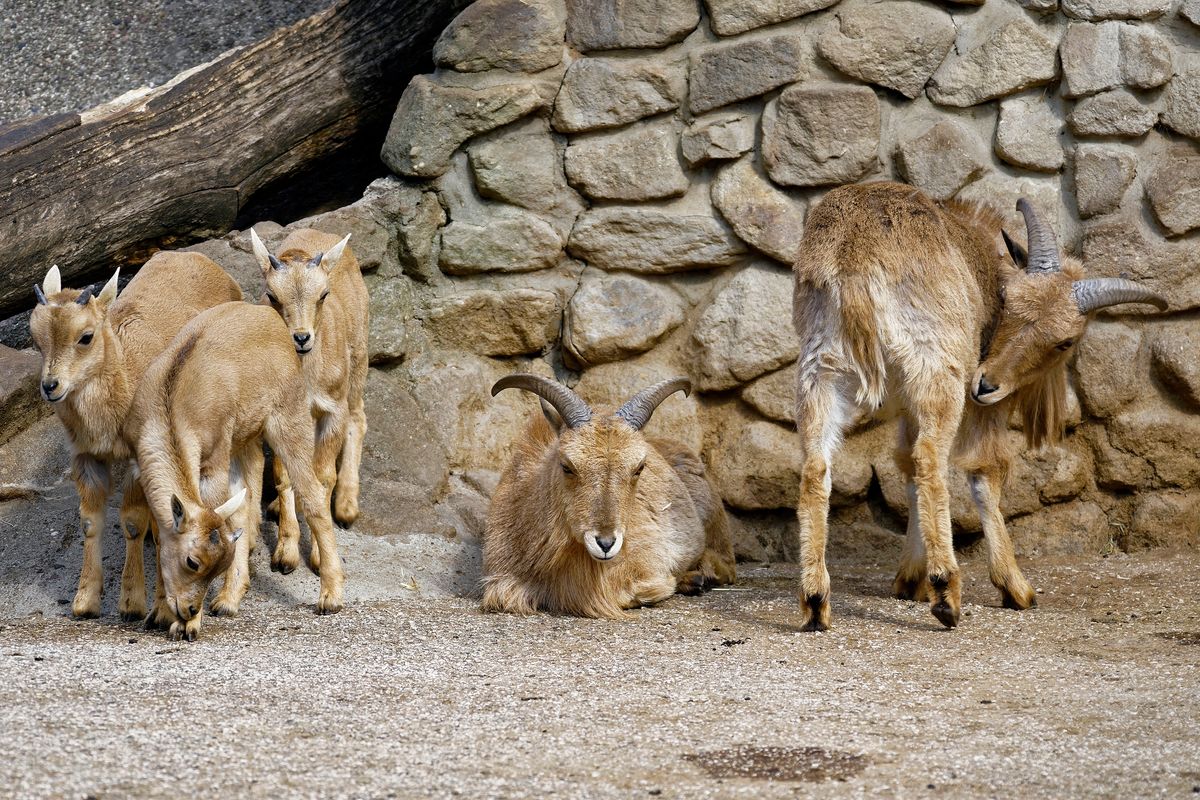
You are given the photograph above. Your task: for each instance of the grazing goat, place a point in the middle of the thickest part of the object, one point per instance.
(228, 381)
(316, 286)
(901, 297)
(95, 349)
(592, 517)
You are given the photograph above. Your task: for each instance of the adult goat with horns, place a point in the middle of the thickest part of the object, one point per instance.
(591, 516)
(902, 299)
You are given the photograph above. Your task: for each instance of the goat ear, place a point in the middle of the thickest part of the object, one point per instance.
(109, 292)
(552, 417)
(334, 255)
(177, 512)
(1015, 251)
(52, 283)
(262, 255)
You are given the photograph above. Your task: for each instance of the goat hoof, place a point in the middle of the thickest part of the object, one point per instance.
(945, 614)
(345, 516)
(1011, 601)
(224, 608)
(133, 616)
(282, 566)
(910, 589)
(158, 620)
(814, 625)
(88, 608)
(328, 605)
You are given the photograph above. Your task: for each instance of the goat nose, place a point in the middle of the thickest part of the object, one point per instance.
(984, 387)
(606, 542)
(301, 338)
(49, 385)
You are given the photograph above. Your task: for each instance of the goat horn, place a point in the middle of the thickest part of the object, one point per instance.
(638, 409)
(1093, 293)
(41, 297)
(84, 296)
(315, 261)
(226, 509)
(275, 262)
(1043, 246)
(569, 405)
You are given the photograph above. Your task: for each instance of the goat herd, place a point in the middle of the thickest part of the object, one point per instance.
(900, 302)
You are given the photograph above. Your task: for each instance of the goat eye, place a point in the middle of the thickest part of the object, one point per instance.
(86, 339)
(193, 564)
(566, 468)
(322, 300)
(272, 299)
(638, 469)
(1064, 345)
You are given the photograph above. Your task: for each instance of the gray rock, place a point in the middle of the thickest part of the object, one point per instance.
(774, 395)
(1015, 56)
(763, 216)
(522, 165)
(1173, 189)
(1145, 57)
(516, 242)
(1027, 134)
(515, 35)
(491, 323)
(611, 384)
(653, 240)
(726, 73)
(717, 138)
(620, 24)
(1107, 358)
(606, 93)
(432, 120)
(1091, 58)
(638, 163)
(1039, 6)
(942, 159)
(897, 44)
(746, 330)
(391, 311)
(20, 379)
(1181, 102)
(1102, 174)
(1095, 10)
(729, 17)
(1116, 112)
(1173, 348)
(1120, 244)
(818, 134)
(1190, 10)
(612, 317)
(1002, 192)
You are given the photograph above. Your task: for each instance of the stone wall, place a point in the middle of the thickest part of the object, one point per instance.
(611, 192)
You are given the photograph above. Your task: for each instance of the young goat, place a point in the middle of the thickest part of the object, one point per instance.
(316, 286)
(899, 296)
(592, 517)
(229, 380)
(95, 349)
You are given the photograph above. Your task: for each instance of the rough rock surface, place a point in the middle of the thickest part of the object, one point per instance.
(1146, 60)
(1173, 189)
(820, 134)
(1181, 102)
(739, 336)
(942, 159)
(1102, 174)
(1117, 112)
(1173, 349)
(653, 240)
(490, 323)
(605, 93)
(622, 24)
(1106, 357)
(729, 17)
(515, 35)
(718, 138)
(612, 317)
(897, 44)
(1027, 135)
(1002, 192)
(1016, 56)
(765, 217)
(20, 377)
(774, 395)
(725, 73)
(519, 242)
(637, 163)
(1091, 58)
(1116, 9)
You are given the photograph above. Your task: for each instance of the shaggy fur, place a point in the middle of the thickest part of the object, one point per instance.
(902, 298)
(676, 535)
(96, 387)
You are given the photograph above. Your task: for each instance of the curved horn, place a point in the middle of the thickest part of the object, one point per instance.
(1043, 246)
(226, 509)
(638, 409)
(41, 297)
(1095, 293)
(84, 296)
(569, 405)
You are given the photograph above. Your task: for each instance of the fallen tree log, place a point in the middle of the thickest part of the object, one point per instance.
(167, 166)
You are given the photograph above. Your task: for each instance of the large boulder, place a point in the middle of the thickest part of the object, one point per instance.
(515, 242)
(1164, 519)
(607, 93)
(1015, 56)
(746, 330)
(817, 134)
(730, 17)
(624, 24)
(726, 73)
(941, 159)
(612, 317)
(496, 323)
(636, 163)
(1167, 439)
(653, 240)
(761, 214)
(514, 35)
(897, 44)
(774, 395)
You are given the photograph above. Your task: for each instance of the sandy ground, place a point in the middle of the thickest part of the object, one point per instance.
(1092, 694)
(68, 55)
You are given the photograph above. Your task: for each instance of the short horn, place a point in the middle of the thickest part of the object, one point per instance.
(1096, 293)
(570, 406)
(41, 297)
(1043, 245)
(226, 509)
(84, 296)
(315, 261)
(638, 409)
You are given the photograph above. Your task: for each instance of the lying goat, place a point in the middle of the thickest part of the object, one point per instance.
(95, 349)
(591, 516)
(900, 297)
(230, 380)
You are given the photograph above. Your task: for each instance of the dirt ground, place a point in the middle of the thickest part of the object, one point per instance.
(1094, 693)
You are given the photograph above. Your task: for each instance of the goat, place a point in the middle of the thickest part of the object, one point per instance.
(228, 381)
(316, 286)
(592, 517)
(901, 297)
(95, 349)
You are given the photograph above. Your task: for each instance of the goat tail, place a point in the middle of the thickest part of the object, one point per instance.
(857, 300)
